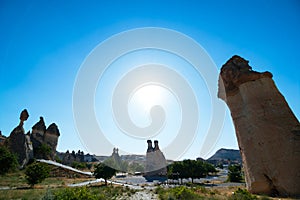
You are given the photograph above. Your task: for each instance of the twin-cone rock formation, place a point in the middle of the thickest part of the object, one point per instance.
(41, 143)
(44, 139)
(156, 164)
(268, 132)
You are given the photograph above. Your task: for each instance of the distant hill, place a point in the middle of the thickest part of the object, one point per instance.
(225, 156)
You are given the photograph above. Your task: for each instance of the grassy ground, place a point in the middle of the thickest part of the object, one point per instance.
(19, 189)
(195, 193)
(14, 186)
(95, 192)
(34, 194)
(17, 180)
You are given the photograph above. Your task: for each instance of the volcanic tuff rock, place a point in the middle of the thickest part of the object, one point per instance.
(44, 140)
(155, 161)
(19, 143)
(267, 131)
(41, 143)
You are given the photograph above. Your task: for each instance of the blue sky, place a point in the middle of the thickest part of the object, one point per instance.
(43, 44)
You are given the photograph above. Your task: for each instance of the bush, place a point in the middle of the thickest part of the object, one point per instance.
(36, 173)
(185, 193)
(78, 165)
(57, 159)
(76, 194)
(181, 192)
(235, 173)
(242, 194)
(8, 161)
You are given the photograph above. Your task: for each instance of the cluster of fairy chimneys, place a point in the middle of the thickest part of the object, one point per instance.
(150, 147)
(115, 151)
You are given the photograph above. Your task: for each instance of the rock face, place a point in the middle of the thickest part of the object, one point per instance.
(2, 139)
(155, 161)
(41, 143)
(268, 132)
(37, 135)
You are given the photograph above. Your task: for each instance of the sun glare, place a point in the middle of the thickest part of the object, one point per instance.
(149, 96)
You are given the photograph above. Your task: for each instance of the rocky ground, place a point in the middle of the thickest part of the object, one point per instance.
(142, 194)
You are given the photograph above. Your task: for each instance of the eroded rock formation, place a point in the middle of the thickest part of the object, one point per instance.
(19, 143)
(155, 161)
(268, 132)
(41, 143)
(44, 140)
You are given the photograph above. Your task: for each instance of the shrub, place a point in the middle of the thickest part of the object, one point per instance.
(181, 192)
(57, 159)
(76, 194)
(79, 165)
(235, 173)
(8, 161)
(184, 193)
(36, 173)
(242, 194)
(48, 196)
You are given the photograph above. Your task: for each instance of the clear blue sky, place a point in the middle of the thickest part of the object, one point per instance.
(43, 44)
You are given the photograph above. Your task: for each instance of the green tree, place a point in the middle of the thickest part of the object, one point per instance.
(220, 165)
(235, 173)
(208, 168)
(175, 170)
(190, 169)
(201, 169)
(36, 173)
(8, 161)
(104, 171)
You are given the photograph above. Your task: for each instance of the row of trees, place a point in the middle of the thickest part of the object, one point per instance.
(190, 169)
(178, 170)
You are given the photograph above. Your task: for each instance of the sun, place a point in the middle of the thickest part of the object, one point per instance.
(143, 99)
(149, 95)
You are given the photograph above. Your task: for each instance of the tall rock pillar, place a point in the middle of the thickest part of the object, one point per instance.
(267, 131)
(19, 143)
